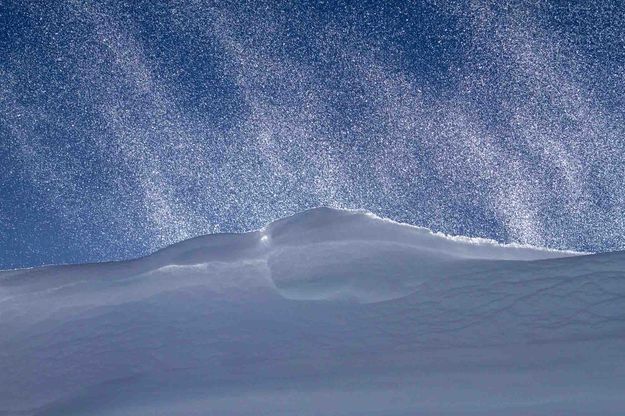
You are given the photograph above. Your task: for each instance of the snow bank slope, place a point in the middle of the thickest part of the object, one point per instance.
(326, 312)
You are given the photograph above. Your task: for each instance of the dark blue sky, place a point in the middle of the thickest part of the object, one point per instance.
(127, 126)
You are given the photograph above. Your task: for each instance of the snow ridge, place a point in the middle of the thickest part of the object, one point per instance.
(325, 312)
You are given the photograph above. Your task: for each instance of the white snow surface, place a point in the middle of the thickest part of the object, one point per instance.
(328, 312)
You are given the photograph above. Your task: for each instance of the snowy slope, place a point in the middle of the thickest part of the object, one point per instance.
(324, 313)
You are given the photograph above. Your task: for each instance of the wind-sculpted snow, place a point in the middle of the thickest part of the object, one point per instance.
(326, 312)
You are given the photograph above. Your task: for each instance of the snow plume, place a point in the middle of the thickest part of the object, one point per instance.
(477, 118)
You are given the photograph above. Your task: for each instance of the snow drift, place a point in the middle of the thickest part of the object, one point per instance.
(326, 312)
